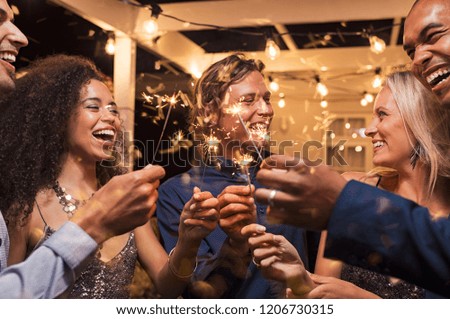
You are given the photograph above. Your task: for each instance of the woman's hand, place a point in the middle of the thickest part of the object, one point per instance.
(277, 258)
(199, 217)
(333, 288)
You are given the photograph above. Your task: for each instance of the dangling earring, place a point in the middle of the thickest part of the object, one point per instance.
(416, 153)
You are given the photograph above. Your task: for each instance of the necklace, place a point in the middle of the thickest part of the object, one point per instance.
(67, 201)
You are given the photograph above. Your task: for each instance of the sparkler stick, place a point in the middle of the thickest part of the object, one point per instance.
(172, 101)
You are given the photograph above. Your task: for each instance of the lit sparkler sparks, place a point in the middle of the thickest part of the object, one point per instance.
(243, 161)
(236, 109)
(165, 101)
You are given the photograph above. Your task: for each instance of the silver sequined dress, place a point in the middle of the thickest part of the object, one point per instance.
(104, 280)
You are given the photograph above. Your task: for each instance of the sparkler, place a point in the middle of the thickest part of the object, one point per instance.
(243, 161)
(165, 101)
(211, 150)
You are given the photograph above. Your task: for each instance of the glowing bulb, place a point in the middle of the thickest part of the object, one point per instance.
(369, 97)
(354, 135)
(377, 81)
(324, 103)
(332, 135)
(358, 148)
(321, 89)
(363, 102)
(281, 103)
(274, 86)
(151, 26)
(110, 46)
(341, 147)
(347, 125)
(377, 45)
(272, 49)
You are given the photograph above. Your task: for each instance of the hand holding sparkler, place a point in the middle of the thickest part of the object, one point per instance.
(237, 209)
(278, 259)
(199, 217)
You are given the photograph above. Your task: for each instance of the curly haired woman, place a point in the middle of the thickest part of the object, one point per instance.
(62, 141)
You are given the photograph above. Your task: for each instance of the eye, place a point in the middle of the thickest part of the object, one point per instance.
(382, 114)
(112, 109)
(432, 37)
(92, 107)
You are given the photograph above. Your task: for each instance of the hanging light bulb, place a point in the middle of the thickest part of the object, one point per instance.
(377, 45)
(151, 25)
(363, 102)
(272, 49)
(368, 97)
(377, 80)
(324, 103)
(110, 46)
(273, 85)
(321, 88)
(281, 102)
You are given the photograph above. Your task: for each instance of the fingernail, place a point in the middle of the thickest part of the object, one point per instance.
(260, 229)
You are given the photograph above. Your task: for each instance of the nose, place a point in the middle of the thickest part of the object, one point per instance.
(265, 109)
(421, 56)
(107, 115)
(17, 38)
(371, 129)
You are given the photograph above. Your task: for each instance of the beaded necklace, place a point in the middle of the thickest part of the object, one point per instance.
(67, 201)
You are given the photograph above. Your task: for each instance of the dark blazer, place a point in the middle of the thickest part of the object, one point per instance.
(384, 232)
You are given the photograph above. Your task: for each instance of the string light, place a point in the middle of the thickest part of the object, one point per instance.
(324, 104)
(272, 49)
(368, 97)
(363, 102)
(321, 88)
(377, 80)
(282, 101)
(273, 85)
(377, 45)
(151, 25)
(110, 46)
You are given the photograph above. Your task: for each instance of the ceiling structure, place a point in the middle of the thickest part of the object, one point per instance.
(320, 39)
(298, 27)
(317, 38)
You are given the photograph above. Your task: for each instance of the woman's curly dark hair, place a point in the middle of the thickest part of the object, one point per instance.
(34, 131)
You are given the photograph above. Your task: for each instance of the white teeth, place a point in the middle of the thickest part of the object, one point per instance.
(8, 57)
(378, 144)
(104, 132)
(435, 74)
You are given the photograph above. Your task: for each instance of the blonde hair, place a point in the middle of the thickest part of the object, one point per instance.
(424, 119)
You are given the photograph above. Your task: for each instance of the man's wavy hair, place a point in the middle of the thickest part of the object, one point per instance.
(211, 88)
(34, 131)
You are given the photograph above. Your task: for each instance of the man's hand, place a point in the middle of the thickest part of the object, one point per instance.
(237, 209)
(301, 195)
(199, 217)
(125, 202)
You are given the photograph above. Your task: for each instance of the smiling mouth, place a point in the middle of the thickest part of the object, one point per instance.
(377, 145)
(438, 77)
(7, 57)
(104, 135)
(259, 130)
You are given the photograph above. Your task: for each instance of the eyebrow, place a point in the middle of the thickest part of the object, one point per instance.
(96, 99)
(423, 33)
